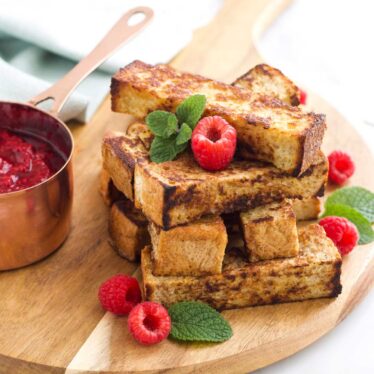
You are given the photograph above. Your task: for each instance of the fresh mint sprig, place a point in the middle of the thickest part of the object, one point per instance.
(356, 197)
(191, 110)
(357, 205)
(162, 124)
(195, 321)
(173, 131)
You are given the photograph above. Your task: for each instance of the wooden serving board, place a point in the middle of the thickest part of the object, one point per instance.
(50, 319)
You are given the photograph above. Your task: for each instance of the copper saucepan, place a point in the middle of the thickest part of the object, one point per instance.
(35, 221)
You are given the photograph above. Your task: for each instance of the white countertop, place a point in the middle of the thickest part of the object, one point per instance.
(347, 349)
(327, 46)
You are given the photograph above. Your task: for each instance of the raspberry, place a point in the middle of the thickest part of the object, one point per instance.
(213, 143)
(303, 96)
(119, 294)
(341, 167)
(149, 323)
(342, 232)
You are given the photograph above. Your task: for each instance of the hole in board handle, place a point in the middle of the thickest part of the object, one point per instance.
(136, 18)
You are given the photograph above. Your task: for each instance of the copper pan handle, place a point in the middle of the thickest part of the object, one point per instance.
(114, 39)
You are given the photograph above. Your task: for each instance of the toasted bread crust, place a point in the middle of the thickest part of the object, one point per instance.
(270, 232)
(306, 144)
(104, 187)
(271, 130)
(194, 249)
(310, 145)
(121, 152)
(305, 209)
(179, 191)
(127, 229)
(264, 80)
(107, 190)
(118, 165)
(315, 273)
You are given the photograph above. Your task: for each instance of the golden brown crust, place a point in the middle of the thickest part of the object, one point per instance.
(104, 187)
(194, 249)
(107, 190)
(270, 231)
(304, 209)
(127, 230)
(121, 152)
(179, 191)
(312, 138)
(271, 130)
(264, 80)
(118, 166)
(313, 274)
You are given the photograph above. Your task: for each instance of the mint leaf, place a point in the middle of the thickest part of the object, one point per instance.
(169, 141)
(356, 197)
(184, 134)
(180, 147)
(191, 110)
(195, 321)
(161, 123)
(163, 149)
(362, 224)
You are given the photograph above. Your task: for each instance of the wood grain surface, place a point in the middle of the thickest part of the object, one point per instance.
(50, 319)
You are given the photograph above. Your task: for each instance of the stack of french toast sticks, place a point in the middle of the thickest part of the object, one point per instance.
(229, 238)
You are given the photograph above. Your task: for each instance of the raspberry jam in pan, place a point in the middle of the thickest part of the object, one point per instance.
(36, 147)
(26, 161)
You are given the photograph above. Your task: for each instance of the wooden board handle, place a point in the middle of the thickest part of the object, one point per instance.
(229, 42)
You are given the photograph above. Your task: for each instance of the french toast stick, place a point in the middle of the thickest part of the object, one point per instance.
(270, 130)
(314, 273)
